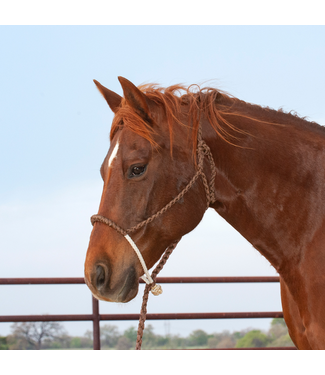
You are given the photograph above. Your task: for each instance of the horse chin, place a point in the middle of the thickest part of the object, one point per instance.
(129, 289)
(125, 295)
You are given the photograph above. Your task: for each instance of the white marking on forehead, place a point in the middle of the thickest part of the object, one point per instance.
(113, 154)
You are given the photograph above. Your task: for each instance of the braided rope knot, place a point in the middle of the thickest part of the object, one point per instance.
(156, 289)
(203, 148)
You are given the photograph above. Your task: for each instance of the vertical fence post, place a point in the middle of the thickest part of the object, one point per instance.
(96, 334)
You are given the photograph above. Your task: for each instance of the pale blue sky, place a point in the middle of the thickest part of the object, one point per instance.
(54, 128)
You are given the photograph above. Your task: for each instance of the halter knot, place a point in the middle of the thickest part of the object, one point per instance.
(203, 148)
(156, 289)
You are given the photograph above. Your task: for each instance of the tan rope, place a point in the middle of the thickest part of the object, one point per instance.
(143, 312)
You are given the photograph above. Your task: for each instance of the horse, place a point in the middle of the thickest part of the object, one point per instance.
(267, 181)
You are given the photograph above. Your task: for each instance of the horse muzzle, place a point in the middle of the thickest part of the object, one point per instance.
(105, 287)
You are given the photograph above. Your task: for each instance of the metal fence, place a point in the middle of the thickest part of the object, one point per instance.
(96, 317)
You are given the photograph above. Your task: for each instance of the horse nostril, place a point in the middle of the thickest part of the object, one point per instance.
(100, 277)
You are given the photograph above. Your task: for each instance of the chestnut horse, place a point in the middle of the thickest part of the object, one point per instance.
(268, 183)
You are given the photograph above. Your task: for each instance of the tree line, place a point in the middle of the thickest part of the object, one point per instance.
(52, 335)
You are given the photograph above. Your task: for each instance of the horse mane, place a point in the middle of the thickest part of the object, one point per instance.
(200, 102)
(173, 99)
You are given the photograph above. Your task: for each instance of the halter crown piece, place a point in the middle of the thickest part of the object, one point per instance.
(202, 150)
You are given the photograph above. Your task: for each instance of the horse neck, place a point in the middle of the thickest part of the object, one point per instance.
(263, 183)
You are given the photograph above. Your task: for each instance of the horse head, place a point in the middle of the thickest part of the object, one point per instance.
(149, 163)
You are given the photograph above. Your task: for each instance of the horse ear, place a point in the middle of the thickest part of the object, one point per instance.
(135, 99)
(113, 99)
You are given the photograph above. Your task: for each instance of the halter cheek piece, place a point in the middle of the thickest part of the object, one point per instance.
(202, 150)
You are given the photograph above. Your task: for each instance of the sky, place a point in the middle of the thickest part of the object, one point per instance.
(54, 135)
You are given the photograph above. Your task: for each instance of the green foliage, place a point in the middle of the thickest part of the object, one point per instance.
(109, 335)
(32, 335)
(24, 336)
(3, 343)
(223, 340)
(75, 342)
(198, 338)
(278, 333)
(253, 339)
(131, 333)
(278, 321)
(124, 343)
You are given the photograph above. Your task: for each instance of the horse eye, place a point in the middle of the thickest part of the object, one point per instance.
(137, 170)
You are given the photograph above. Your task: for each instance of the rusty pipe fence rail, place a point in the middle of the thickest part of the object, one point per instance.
(96, 317)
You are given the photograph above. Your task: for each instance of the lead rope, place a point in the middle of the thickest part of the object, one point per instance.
(143, 312)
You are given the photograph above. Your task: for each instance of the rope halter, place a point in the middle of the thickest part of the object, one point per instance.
(202, 151)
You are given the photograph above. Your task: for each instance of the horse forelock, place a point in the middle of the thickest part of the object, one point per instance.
(199, 102)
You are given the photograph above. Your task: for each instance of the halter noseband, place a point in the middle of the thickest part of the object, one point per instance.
(202, 150)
